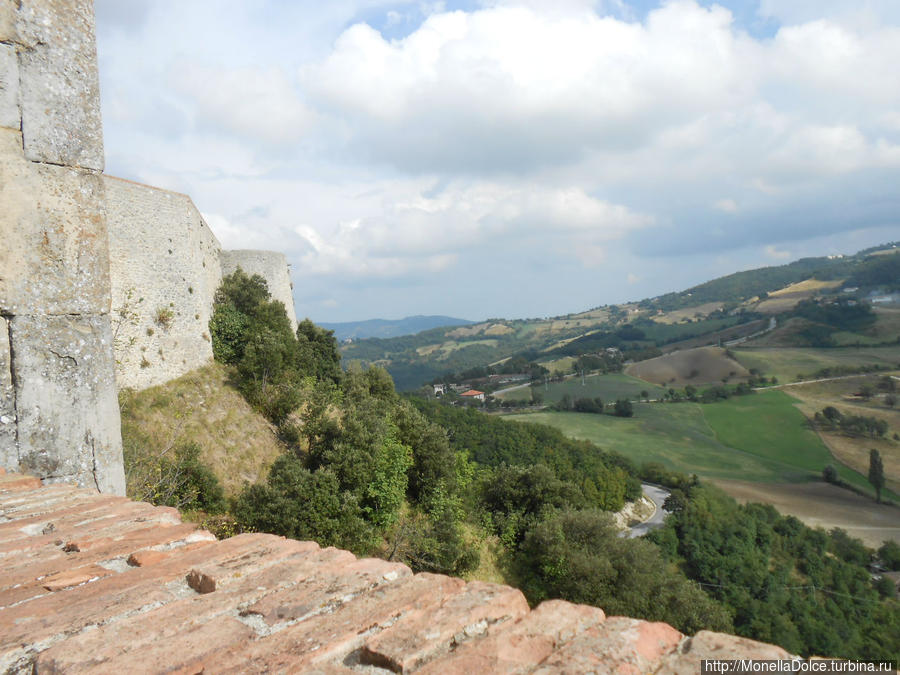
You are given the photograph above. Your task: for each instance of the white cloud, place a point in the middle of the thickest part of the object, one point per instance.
(512, 84)
(726, 206)
(252, 102)
(777, 254)
(416, 233)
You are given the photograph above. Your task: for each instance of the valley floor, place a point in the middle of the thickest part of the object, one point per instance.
(822, 505)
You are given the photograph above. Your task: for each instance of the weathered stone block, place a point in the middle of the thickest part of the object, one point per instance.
(9, 455)
(68, 424)
(9, 86)
(708, 645)
(271, 266)
(54, 258)
(415, 639)
(7, 20)
(60, 86)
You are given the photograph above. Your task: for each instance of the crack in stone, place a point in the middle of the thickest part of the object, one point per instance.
(94, 464)
(14, 382)
(63, 357)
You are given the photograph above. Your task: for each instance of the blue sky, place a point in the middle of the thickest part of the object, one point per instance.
(511, 159)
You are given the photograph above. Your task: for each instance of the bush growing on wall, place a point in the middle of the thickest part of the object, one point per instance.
(252, 332)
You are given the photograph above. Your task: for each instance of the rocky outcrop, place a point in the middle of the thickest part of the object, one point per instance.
(99, 584)
(58, 407)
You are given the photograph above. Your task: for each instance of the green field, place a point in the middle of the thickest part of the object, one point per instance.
(786, 363)
(759, 438)
(606, 387)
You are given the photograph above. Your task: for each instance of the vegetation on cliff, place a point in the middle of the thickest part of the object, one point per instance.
(783, 582)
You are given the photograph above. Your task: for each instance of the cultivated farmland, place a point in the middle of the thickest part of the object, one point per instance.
(787, 363)
(606, 387)
(704, 365)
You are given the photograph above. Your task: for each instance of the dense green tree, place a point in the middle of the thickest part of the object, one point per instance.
(578, 556)
(254, 333)
(785, 583)
(387, 490)
(302, 504)
(889, 554)
(517, 497)
(434, 462)
(317, 352)
(623, 408)
(847, 548)
(876, 473)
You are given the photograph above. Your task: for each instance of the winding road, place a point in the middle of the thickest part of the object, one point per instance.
(657, 495)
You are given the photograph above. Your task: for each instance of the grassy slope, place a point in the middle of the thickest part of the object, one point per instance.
(675, 435)
(854, 450)
(237, 443)
(762, 438)
(606, 387)
(786, 363)
(769, 426)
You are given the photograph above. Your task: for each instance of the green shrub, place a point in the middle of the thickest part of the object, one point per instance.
(182, 481)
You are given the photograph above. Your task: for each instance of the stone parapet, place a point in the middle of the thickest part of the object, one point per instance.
(98, 584)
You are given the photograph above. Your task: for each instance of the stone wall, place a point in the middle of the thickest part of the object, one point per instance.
(271, 266)
(164, 271)
(58, 411)
(76, 245)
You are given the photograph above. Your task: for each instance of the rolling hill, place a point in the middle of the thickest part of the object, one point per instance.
(730, 310)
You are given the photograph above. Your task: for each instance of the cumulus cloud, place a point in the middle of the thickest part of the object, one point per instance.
(513, 87)
(418, 234)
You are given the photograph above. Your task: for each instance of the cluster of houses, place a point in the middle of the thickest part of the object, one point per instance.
(466, 391)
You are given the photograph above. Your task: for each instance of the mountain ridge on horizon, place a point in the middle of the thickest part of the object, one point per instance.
(387, 328)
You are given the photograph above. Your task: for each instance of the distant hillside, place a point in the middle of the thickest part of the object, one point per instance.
(864, 268)
(721, 310)
(388, 328)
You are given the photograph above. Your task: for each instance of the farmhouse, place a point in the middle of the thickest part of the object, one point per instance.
(473, 394)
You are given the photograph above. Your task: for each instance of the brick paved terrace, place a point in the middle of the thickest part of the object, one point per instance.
(97, 584)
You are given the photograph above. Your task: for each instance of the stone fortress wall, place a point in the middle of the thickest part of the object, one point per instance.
(59, 416)
(165, 265)
(271, 266)
(104, 283)
(164, 271)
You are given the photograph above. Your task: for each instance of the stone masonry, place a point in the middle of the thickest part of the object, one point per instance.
(271, 266)
(164, 271)
(58, 408)
(99, 584)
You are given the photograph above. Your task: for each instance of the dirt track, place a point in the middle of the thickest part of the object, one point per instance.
(822, 505)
